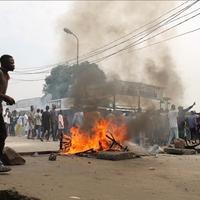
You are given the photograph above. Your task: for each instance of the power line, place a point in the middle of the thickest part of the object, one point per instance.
(167, 39)
(131, 45)
(134, 44)
(170, 38)
(37, 72)
(42, 68)
(28, 80)
(167, 20)
(151, 22)
(51, 66)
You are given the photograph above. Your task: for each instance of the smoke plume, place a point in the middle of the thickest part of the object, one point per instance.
(162, 72)
(97, 23)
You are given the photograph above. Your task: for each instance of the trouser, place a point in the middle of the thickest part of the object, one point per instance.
(31, 131)
(44, 134)
(193, 133)
(38, 131)
(54, 131)
(3, 135)
(181, 130)
(12, 129)
(173, 134)
(8, 128)
(60, 135)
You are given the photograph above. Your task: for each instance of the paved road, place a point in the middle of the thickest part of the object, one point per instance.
(22, 144)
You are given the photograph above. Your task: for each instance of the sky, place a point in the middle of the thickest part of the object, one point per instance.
(30, 32)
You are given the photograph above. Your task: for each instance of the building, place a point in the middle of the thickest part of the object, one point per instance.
(24, 104)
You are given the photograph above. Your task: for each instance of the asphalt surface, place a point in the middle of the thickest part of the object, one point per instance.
(23, 145)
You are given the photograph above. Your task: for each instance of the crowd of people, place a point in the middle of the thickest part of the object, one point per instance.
(36, 123)
(183, 124)
(49, 124)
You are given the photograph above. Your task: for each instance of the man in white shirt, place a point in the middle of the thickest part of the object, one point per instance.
(172, 116)
(31, 123)
(38, 123)
(61, 127)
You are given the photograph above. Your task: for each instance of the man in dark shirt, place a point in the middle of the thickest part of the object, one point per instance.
(181, 120)
(192, 123)
(46, 124)
(54, 122)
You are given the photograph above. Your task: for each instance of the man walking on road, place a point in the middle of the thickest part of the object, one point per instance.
(54, 122)
(46, 124)
(7, 64)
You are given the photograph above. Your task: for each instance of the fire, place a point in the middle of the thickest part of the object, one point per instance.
(96, 139)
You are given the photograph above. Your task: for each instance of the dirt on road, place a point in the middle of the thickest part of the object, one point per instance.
(148, 178)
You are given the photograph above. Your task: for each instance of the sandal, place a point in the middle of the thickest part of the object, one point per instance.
(3, 168)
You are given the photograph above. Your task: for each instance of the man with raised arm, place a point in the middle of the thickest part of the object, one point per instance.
(7, 64)
(181, 119)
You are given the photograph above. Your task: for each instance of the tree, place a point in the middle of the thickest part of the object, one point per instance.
(57, 83)
(73, 81)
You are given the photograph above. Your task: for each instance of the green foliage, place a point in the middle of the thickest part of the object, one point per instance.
(57, 82)
(73, 80)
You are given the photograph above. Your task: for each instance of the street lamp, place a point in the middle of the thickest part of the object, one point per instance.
(70, 32)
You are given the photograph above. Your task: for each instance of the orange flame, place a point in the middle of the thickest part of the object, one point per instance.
(96, 139)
